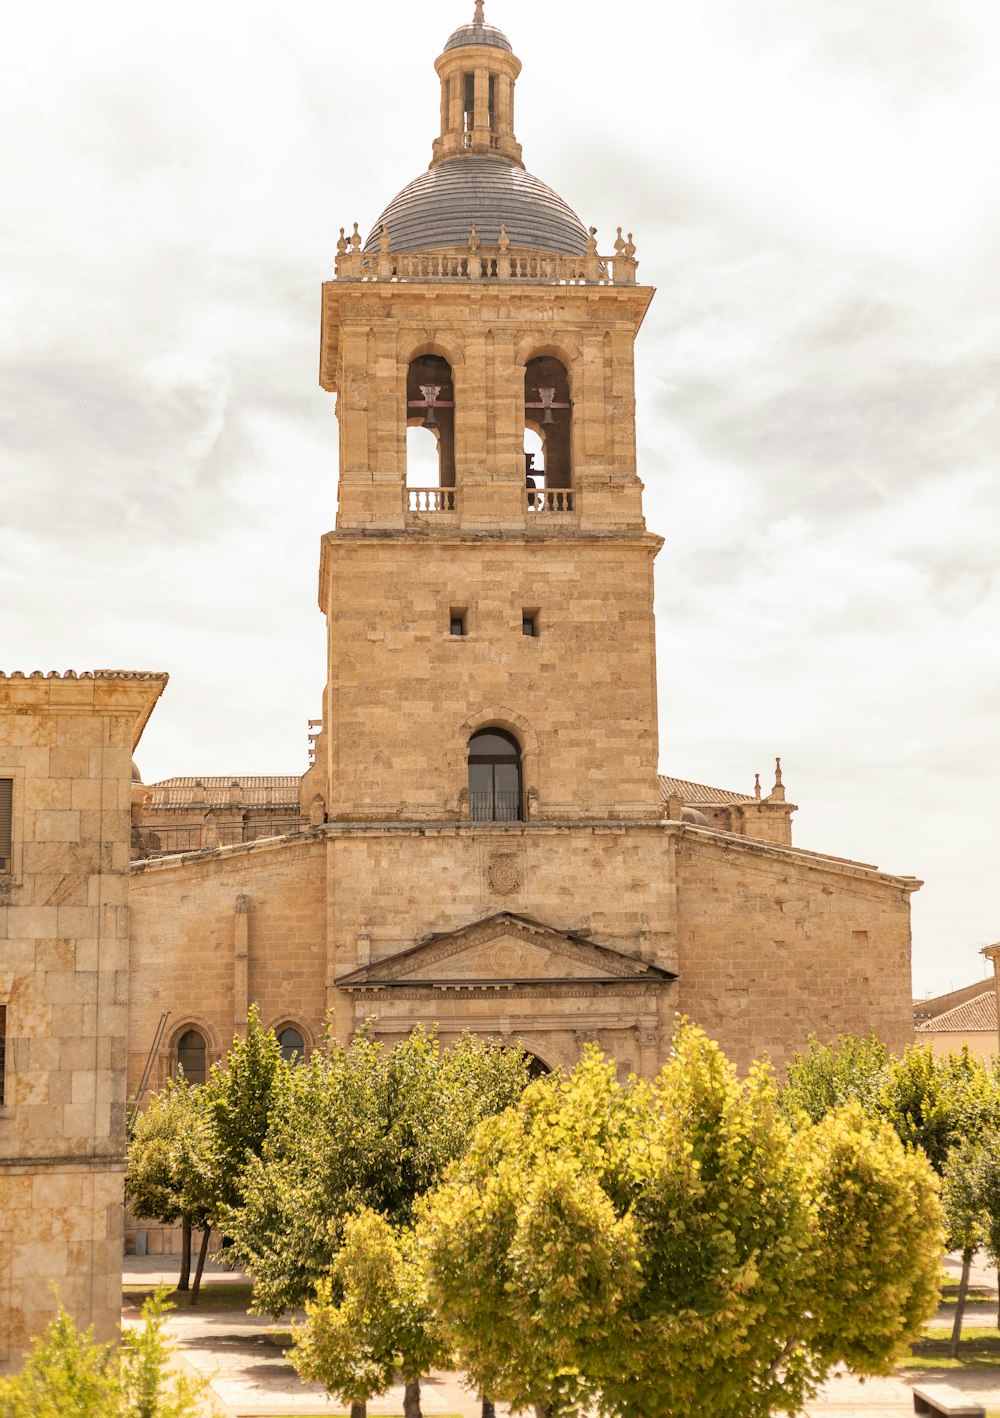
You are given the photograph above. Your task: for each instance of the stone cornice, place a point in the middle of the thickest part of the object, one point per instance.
(106, 692)
(700, 836)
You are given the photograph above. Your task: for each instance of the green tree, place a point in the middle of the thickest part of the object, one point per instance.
(936, 1101)
(165, 1167)
(676, 1247)
(67, 1374)
(383, 1325)
(965, 1221)
(237, 1103)
(827, 1076)
(362, 1126)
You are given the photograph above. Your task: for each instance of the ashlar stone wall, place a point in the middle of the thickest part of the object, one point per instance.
(66, 743)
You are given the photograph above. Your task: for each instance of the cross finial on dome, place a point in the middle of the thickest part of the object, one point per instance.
(479, 18)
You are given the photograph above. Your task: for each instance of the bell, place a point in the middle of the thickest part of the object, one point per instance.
(547, 419)
(429, 420)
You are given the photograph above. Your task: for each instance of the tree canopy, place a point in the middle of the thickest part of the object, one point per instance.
(676, 1247)
(362, 1126)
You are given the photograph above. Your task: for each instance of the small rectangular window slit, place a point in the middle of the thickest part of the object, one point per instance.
(3, 1054)
(529, 623)
(458, 621)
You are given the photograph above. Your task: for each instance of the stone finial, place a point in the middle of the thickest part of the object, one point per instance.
(592, 241)
(355, 238)
(474, 242)
(385, 241)
(630, 248)
(504, 242)
(341, 243)
(619, 243)
(756, 786)
(777, 793)
(479, 18)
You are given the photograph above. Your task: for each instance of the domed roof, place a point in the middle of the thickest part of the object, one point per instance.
(479, 34)
(439, 207)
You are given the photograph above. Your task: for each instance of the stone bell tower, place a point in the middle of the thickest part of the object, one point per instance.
(491, 642)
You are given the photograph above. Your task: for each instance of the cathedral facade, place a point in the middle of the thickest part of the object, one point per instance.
(482, 840)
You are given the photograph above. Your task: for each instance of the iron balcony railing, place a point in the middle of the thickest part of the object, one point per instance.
(495, 807)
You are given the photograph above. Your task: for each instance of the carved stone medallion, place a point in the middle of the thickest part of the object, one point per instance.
(503, 873)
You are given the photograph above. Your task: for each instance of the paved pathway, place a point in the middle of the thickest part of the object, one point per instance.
(250, 1378)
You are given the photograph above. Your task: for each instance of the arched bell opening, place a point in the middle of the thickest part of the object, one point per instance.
(430, 423)
(548, 408)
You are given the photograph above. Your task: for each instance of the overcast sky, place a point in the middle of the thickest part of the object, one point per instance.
(814, 188)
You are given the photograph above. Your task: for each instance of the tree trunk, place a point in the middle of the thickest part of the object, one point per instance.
(963, 1290)
(185, 1281)
(359, 1410)
(488, 1410)
(202, 1253)
(411, 1399)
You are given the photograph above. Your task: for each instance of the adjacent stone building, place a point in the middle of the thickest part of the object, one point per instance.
(66, 744)
(482, 840)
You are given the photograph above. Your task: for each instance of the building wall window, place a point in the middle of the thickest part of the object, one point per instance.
(3, 1054)
(6, 822)
(494, 777)
(192, 1056)
(292, 1044)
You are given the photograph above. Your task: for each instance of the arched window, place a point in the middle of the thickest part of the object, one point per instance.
(430, 408)
(292, 1045)
(494, 777)
(548, 412)
(537, 1068)
(192, 1056)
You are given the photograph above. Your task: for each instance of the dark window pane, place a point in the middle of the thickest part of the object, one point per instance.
(493, 746)
(292, 1045)
(191, 1056)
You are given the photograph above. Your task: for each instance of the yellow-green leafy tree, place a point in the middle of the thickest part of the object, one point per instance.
(677, 1247)
(382, 1326)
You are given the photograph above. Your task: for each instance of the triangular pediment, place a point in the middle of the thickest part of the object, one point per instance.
(505, 949)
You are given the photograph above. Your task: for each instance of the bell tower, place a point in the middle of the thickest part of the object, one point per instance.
(489, 598)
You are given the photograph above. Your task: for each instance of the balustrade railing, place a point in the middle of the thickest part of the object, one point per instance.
(165, 841)
(485, 263)
(555, 499)
(430, 499)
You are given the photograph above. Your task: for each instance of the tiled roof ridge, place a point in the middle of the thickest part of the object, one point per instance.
(693, 794)
(252, 780)
(159, 675)
(977, 1013)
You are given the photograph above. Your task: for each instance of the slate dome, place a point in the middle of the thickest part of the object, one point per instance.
(439, 207)
(478, 34)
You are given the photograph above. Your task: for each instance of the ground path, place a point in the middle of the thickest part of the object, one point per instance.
(249, 1377)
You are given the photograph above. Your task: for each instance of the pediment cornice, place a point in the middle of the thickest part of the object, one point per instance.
(505, 949)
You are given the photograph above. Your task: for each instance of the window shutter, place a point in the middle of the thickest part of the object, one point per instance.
(6, 821)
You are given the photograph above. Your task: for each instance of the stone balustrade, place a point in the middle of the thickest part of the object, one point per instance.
(485, 263)
(430, 499)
